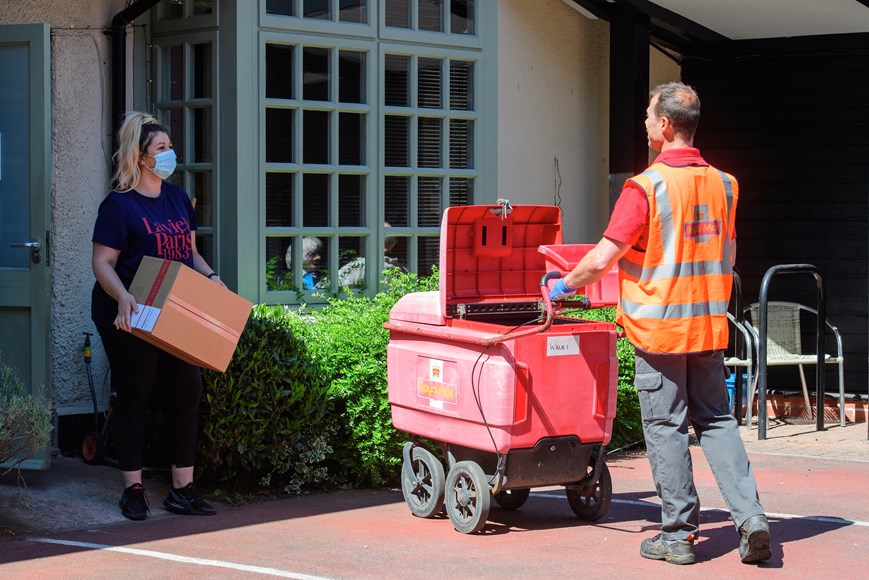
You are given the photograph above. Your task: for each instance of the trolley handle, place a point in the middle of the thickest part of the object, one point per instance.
(584, 303)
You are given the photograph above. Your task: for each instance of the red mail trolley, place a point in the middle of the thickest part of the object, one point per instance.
(514, 395)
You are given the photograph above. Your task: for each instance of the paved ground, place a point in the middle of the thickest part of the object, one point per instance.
(812, 485)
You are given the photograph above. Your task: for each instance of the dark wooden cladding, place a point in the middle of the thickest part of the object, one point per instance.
(794, 130)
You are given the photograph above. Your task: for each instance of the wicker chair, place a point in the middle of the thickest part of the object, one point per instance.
(784, 347)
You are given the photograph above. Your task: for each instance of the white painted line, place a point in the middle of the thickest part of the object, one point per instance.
(183, 559)
(803, 456)
(824, 519)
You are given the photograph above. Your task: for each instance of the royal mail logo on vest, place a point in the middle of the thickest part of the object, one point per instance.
(701, 227)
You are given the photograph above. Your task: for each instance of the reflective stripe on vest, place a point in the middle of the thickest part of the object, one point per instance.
(657, 286)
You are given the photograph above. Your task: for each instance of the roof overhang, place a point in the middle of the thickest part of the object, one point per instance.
(709, 28)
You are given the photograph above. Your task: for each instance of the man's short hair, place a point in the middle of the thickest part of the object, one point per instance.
(680, 104)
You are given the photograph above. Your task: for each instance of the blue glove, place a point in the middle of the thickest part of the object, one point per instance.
(560, 291)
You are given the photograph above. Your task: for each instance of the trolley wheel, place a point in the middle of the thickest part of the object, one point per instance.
(592, 502)
(423, 484)
(468, 497)
(512, 499)
(92, 448)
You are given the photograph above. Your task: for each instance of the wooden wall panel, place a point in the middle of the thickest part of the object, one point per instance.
(794, 130)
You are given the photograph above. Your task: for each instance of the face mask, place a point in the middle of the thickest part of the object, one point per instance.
(164, 164)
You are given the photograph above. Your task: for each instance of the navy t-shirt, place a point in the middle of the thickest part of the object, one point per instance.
(141, 226)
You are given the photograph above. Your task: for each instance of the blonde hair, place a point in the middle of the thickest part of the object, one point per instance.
(134, 136)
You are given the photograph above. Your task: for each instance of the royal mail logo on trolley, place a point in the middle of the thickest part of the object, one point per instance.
(436, 391)
(562, 345)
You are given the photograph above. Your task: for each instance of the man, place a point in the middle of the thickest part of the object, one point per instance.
(672, 232)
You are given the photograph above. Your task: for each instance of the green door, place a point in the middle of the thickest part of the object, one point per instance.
(25, 169)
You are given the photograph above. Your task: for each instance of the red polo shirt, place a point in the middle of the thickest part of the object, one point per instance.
(630, 220)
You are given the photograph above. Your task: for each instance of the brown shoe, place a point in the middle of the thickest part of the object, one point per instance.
(754, 540)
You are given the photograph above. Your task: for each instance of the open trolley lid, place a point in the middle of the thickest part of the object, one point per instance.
(489, 258)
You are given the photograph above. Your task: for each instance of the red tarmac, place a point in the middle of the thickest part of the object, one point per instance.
(812, 484)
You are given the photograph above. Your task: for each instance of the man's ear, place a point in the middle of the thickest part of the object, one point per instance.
(666, 127)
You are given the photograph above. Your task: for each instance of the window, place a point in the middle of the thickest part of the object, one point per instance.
(331, 10)
(184, 91)
(451, 16)
(178, 9)
(319, 128)
(365, 141)
(429, 135)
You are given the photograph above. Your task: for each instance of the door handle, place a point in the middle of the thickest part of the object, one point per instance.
(34, 246)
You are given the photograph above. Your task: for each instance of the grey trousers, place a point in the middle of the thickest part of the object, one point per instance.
(674, 389)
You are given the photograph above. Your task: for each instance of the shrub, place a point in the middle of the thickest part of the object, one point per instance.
(305, 399)
(25, 419)
(628, 423)
(348, 344)
(267, 419)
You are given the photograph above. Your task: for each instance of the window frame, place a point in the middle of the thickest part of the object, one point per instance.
(371, 233)
(414, 171)
(187, 104)
(378, 40)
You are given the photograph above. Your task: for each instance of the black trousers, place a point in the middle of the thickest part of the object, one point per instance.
(138, 368)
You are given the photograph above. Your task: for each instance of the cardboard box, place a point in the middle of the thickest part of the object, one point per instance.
(186, 314)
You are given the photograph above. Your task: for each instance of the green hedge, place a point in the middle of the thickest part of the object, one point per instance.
(628, 424)
(348, 344)
(269, 418)
(304, 402)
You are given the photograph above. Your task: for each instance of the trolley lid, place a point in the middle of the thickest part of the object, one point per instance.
(489, 258)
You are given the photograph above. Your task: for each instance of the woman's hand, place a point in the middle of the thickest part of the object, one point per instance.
(126, 306)
(217, 280)
(103, 261)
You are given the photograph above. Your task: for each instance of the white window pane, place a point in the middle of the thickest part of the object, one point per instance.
(462, 16)
(396, 82)
(351, 200)
(279, 71)
(429, 83)
(429, 145)
(315, 76)
(461, 144)
(429, 202)
(315, 200)
(398, 13)
(397, 139)
(279, 199)
(351, 84)
(431, 15)
(397, 196)
(279, 135)
(280, 7)
(316, 9)
(461, 85)
(353, 11)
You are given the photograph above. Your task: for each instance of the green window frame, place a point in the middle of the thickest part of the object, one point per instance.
(184, 97)
(438, 133)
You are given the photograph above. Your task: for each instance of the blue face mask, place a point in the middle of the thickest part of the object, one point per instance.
(164, 164)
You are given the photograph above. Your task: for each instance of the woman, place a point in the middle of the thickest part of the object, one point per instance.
(146, 216)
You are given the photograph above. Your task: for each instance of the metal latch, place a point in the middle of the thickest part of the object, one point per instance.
(506, 208)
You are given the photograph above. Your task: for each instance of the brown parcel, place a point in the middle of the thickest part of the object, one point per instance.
(186, 314)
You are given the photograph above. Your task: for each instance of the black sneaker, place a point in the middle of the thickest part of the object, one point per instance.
(754, 540)
(188, 500)
(673, 551)
(134, 502)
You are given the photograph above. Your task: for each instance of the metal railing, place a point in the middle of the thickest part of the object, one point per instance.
(763, 327)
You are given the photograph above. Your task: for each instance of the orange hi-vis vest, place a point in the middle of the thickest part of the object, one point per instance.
(674, 294)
